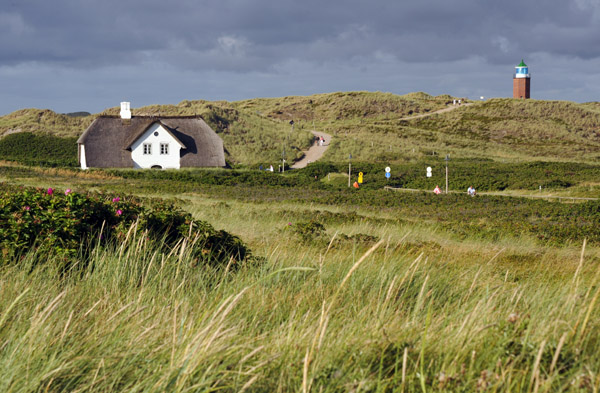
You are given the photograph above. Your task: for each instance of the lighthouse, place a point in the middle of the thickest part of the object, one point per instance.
(521, 81)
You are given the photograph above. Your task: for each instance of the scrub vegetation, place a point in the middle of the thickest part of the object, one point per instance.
(39, 149)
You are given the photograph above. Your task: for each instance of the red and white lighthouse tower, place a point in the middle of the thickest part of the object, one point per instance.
(521, 81)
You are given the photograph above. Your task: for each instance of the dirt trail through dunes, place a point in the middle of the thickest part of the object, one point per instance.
(315, 152)
(450, 108)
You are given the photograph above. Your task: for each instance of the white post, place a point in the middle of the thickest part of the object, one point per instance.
(349, 168)
(447, 159)
(446, 177)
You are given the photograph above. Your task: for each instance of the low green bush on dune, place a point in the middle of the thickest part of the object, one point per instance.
(39, 149)
(68, 222)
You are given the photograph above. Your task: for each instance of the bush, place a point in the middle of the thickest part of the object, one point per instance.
(309, 230)
(61, 222)
(319, 169)
(39, 149)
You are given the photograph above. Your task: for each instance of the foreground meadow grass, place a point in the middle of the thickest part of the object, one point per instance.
(415, 311)
(383, 300)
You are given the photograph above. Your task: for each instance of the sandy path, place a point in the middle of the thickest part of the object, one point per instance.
(450, 108)
(315, 152)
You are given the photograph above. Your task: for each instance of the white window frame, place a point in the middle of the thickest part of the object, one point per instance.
(164, 148)
(147, 149)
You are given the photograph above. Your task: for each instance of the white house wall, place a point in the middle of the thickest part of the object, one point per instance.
(82, 159)
(165, 161)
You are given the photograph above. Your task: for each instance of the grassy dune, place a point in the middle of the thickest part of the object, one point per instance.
(327, 109)
(372, 127)
(526, 130)
(248, 137)
(43, 121)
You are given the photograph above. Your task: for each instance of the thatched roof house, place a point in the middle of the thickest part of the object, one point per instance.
(150, 142)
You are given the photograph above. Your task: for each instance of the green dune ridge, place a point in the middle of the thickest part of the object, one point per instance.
(372, 126)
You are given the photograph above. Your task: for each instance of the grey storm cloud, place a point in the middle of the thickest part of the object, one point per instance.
(246, 35)
(217, 42)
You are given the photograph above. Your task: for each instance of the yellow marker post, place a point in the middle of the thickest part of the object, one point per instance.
(360, 177)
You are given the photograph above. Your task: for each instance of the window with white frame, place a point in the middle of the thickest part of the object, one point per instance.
(147, 148)
(164, 148)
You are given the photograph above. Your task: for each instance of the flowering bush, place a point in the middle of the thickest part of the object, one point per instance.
(62, 222)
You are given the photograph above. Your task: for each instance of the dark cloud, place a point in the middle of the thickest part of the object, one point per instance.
(169, 39)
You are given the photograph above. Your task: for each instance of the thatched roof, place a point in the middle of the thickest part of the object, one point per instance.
(108, 140)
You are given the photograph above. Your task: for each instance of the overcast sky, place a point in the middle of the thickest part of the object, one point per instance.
(84, 55)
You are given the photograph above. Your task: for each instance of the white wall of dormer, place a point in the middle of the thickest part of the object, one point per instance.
(166, 161)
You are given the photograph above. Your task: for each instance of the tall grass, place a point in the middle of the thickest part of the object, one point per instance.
(397, 315)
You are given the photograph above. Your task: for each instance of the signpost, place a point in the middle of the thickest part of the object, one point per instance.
(349, 168)
(447, 159)
(287, 142)
(387, 172)
(360, 177)
(283, 159)
(428, 171)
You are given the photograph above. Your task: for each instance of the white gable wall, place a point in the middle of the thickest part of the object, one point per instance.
(165, 161)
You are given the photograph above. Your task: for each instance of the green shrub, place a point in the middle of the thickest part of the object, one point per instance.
(39, 149)
(309, 230)
(64, 222)
(319, 169)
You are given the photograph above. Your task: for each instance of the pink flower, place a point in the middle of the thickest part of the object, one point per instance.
(27, 208)
(119, 212)
(117, 199)
(67, 191)
(50, 191)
